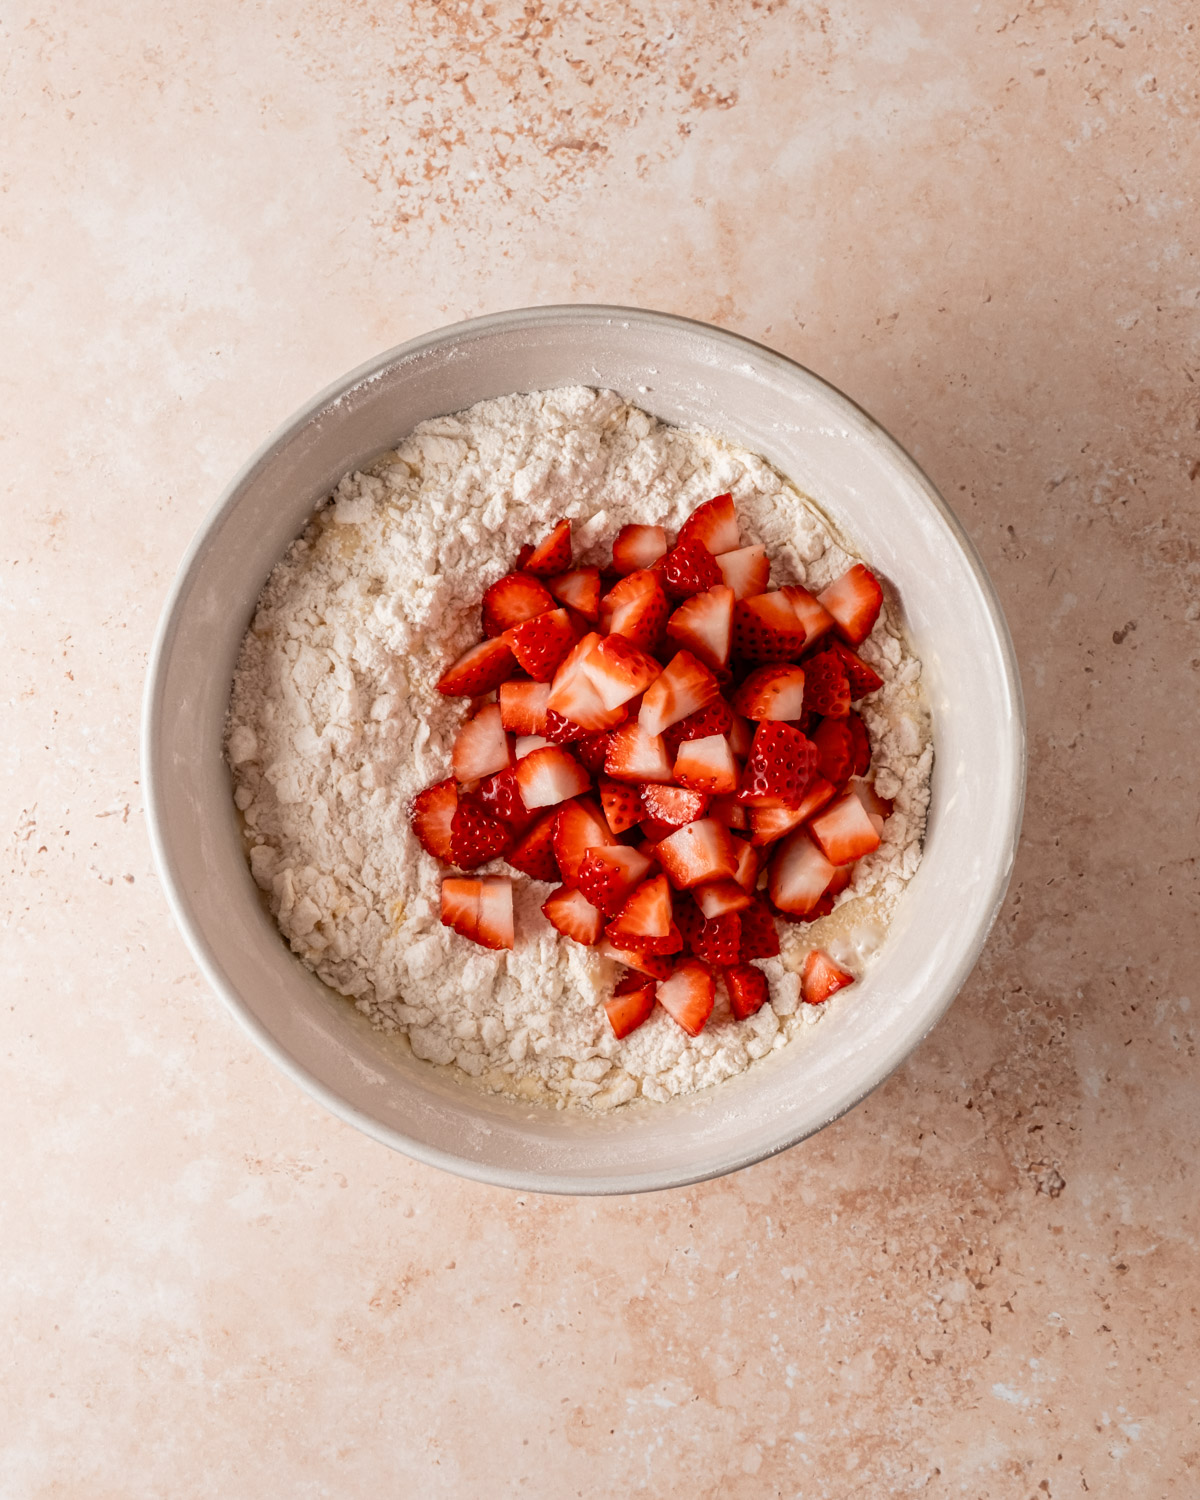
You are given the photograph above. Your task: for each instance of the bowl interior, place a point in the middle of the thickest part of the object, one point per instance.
(684, 373)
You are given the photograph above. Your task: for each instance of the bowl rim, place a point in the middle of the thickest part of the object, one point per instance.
(516, 319)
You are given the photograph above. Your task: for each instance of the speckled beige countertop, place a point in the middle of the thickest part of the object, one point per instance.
(980, 221)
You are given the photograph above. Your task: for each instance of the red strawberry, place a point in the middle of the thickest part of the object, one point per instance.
(834, 741)
(523, 706)
(741, 735)
(685, 687)
(766, 629)
(657, 965)
(572, 694)
(533, 852)
(862, 678)
(637, 547)
(526, 744)
(822, 978)
(511, 600)
(574, 915)
(631, 1004)
(482, 746)
(747, 571)
(558, 730)
(799, 874)
(689, 568)
(703, 625)
(879, 809)
(579, 589)
(634, 755)
(714, 525)
(542, 644)
(854, 601)
(750, 861)
(815, 619)
(769, 824)
(478, 670)
(550, 775)
(728, 810)
(619, 670)
(552, 554)
(707, 765)
(591, 750)
(826, 688)
(476, 836)
(718, 939)
(637, 609)
(760, 936)
(713, 718)
(523, 557)
(747, 989)
(673, 805)
(781, 764)
(771, 692)
(688, 996)
(481, 910)
(647, 918)
(432, 815)
(720, 897)
(607, 876)
(622, 805)
(843, 831)
(580, 826)
(697, 853)
(860, 744)
(500, 797)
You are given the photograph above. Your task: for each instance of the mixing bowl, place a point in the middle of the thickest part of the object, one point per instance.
(687, 373)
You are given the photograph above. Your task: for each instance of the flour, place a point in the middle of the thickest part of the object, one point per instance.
(335, 723)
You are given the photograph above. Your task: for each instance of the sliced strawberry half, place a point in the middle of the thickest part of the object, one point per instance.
(834, 743)
(714, 718)
(500, 797)
(647, 918)
(760, 936)
(481, 910)
(542, 644)
(512, 600)
(548, 776)
(822, 978)
(766, 629)
(826, 687)
(533, 852)
(697, 853)
(573, 915)
(634, 755)
(714, 525)
(552, 554)
(622, 804)
(619, 670)
(844, 831)
(580, 589)
(523, 706)
(771, 692)
(476, 836)
(478, 670)
(862, 678)
(854, 601)
(815, 619)
(747, 990)
(580, 826)
(703, 625)
(482, 746)
(780, 766)
(747, 571)
(860, 744)
(685, 687)
(689, 568)
(707, 765)
(720, 897)
(630, 1005)
(637, 609)
(432, 815)
(673, 806)
(689, 995)
(608, 876)
(637, 547)
(799, 874)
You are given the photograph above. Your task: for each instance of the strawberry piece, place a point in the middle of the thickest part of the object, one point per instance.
(573, 915)
(770, 823)
(431, 817)
(500, 797)
(476, 836)
(579, 589)
(771, 692)
(523, 556)
(689, 995)
(747, 571)
(781, 764)
(590, 751)
(657, 965)
(854, 601)
(495, 929)
(460, 906)
(799, 874)
(839, 880)
(714, 525)
(862, 678)
(573, 696)
(526, 744)
(879, 809)
(634, 755)
(637, 547)
(826, 687)
(703, 625)
(860, 744)
(619, 670)
(843, 831)
(523, 706)
(707, 765)
(482, 746)
(533, 852)
(552, 554)
(728, 810)
(542, 644)
(715, 718)
(512, 600)
(747, 990)
(741, 735)
(637, 609)
(834, 742)
(647, 917)
(630, 1005)
(478, 670)
(766, 629)
(815, 619)
(558, 730)
(760, 936)
(689, 568)
(697, 853)
(607, 877)
(685, 687)
(622, 804)
(718, 940)
(550, 775)
(822, 978)
(673, 806)
(719, 898)
(580, 826)
(750, 861)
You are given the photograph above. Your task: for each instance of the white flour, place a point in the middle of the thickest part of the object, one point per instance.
(335, 722)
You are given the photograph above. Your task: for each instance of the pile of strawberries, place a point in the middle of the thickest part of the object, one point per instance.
(660, 739)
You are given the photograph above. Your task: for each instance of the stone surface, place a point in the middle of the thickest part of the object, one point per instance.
(981, 222)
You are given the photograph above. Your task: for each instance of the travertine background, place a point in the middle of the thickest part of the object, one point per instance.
(981, 221)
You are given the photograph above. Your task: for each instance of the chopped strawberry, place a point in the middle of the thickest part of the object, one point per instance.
(771, 692)
(579, 589)
(721, 897)
(550, 775)
(860, 744)
(689, 995)
(714, 525)
(622, 804)
(822, 978)
(685, 687)
(637, 609)
(552, 554)
(460, 906)
(512, 600)
(747, 990)
(432, 815)
(523, 706)
(689, 568)
(766, 629)
(478, 670)
(500, 797)
(482, 746)
(607, 876)
(698, 852)
(707, 765)
(526, 744)
(862, 678)
(769, 824)
(854, 601)
(580, 826)
(481, 910)
(703, 625)
(523, 556)
(634, 755)
(741, 735)
(879, 809)
(630, 1005)
(574, 915)
(657, 965)
(781, 764)
(533, 852)
(799, 874)
(718, 940)
(815, 619)
(637, 547)
(750, 862)
(747, 571)
(826, 688)
(760, 936)
(572, 694)
(542, 644)
(559, 730)
(714, 718)
(728, 810)
(619, 670)
(647, 917)
(476, 836)
(591, 749)
(844, 831)
(673, 806)
(834, 741)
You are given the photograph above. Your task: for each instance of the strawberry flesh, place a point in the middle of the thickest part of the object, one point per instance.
(512, 600)
(542, 644)
(690, 568)
(478, 670)
(638, 547)
(689, 995)
(630, 1005)
(747, 990)
(780, 766)
(432, 816)
(822, 978)
(714, 525)
(552, 554)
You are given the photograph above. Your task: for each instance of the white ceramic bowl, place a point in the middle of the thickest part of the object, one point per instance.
(686, 373)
